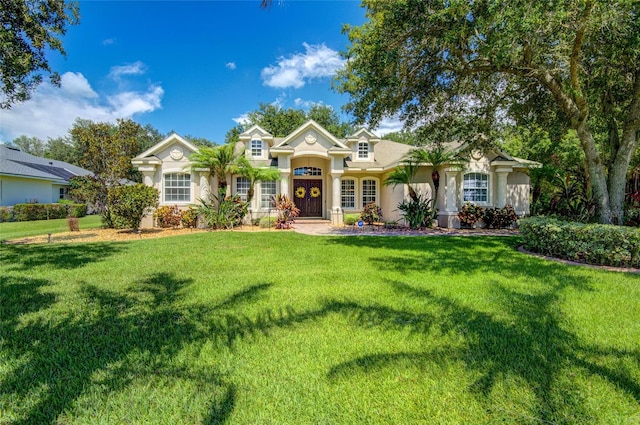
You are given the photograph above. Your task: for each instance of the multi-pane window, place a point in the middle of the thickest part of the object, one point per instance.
(369, 191)
(363, 150)
(307, 171)
(242, 187)
(348, 193)
(256, 148)
(177, 187)
(475, 187)
(267, 190)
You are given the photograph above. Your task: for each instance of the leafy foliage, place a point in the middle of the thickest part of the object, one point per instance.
(29, 212)
(223, 213)
(255, 174)
(220, 161)
(417, 212)
(499, 218)
(168, 216)
(189, 217)
(588, 243)
(129, 203)
(469, 65)
(469, 214)
(29, 30)
(371, 213)
(286, 211)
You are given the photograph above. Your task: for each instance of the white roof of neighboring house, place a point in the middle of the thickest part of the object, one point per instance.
(14, 162)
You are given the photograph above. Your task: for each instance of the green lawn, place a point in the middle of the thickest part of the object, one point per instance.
(21, 229)
(283, 328)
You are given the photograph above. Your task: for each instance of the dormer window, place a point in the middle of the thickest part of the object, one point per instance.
(256, 148)
(363, 150)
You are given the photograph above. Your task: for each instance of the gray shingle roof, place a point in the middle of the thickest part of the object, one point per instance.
(14, 162)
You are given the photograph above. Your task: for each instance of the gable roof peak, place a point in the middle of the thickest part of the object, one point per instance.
(171, 138)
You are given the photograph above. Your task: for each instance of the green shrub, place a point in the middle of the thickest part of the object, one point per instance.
(130, 203)
(632, 217)
(499, 218)
(227, 213)
(351, 219)
(29, 212)
(589, 243)
(189, 217)
(371, 213)
(286, 210)
(267, 222)
(469, 214)
(6, 214)
(416, 212)
(168, 216)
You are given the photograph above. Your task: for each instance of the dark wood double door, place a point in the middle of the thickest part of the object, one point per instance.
(307, 194)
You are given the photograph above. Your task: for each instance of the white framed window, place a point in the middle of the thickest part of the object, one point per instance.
(267, 190)
(256, 148)
(475, 188)
(363, 150)
(369, 191)
(177, 187)
(348, 193)
(307, 171)
(242, 187)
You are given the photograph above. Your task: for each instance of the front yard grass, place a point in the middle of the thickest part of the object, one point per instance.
(283, 328)
(21, 229)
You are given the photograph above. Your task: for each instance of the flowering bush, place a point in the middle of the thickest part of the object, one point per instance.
(371, 213)
(499, 218)
(189, 217)
(167, 216)
(469, 214)
(287, 211)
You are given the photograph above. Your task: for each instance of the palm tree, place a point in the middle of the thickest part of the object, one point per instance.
(255, 174)
(404, 175)
(437, 157)
(219, 160)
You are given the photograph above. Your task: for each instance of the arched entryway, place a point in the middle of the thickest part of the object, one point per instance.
(308, 190)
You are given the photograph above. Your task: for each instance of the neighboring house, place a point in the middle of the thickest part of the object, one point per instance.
(328, 177)
(25, 178)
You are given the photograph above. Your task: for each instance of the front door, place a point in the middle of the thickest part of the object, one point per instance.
(307, 194)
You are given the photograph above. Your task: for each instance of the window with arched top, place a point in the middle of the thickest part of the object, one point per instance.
(475, 188)
(307, 171)
(177, 187)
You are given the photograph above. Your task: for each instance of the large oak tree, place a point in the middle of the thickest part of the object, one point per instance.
(575, 61)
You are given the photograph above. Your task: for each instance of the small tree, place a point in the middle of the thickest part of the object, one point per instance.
(256, 174)
(131, 202)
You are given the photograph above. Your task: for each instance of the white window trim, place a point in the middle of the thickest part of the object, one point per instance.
(235, 181)
(191, 187)
(262, 149)
(489, 202)
(369, 151)
(361, 190)
(356, 192)
(260, 194)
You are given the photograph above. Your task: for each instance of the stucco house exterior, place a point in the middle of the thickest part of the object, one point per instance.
(328, 177)
(25, 178)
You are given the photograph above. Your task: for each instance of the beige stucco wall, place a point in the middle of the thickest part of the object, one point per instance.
(518, 184)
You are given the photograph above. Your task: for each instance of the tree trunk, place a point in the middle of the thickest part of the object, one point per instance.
(618, 174)
(597, 173)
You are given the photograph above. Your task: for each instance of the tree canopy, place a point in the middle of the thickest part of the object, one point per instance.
(28, 30)
(573, 64)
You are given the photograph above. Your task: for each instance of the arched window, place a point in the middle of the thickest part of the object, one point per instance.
(177, 187)
(307, 171)
(348, 193)
(475, 188)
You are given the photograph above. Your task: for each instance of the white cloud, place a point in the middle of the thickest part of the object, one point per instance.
(318, 61)
(242, 119)
(389, 125)
(305, 104)
(136, 68)
(231, 65)
(51, 111)
(108, 41)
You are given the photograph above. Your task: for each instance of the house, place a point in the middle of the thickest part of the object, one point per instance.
(26, 178)
(328, 177)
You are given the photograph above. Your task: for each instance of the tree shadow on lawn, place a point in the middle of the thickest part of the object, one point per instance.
(116, 339)
(55, 256)
(533, 346)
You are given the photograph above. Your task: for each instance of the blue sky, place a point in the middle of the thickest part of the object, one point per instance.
(192, 67)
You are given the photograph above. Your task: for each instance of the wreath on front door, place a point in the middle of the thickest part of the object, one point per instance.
(315, 192)
(300, 192)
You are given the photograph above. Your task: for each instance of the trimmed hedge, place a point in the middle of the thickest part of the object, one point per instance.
(29, 212)
(599, 244)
